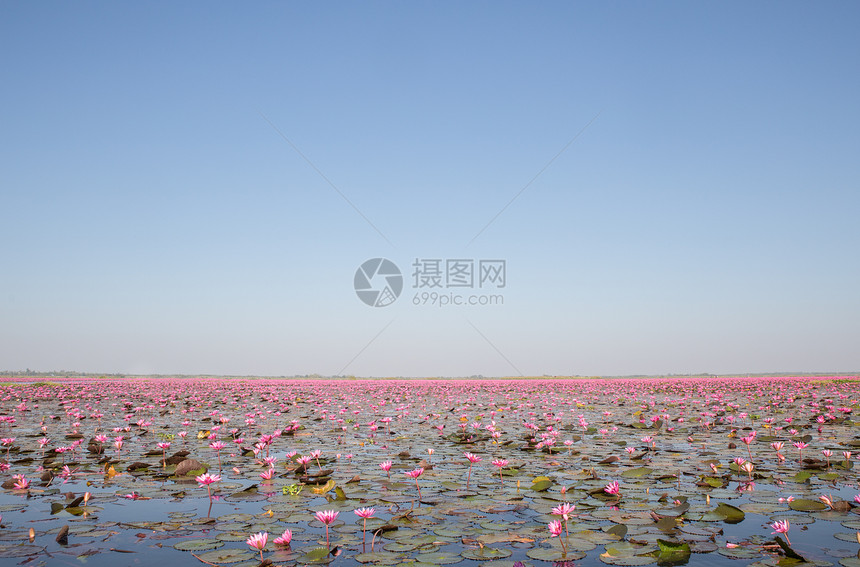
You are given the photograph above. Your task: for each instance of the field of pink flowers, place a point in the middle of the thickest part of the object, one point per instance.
(428, 472)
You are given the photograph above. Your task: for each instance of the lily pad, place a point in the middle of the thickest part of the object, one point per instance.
(486, 553)
(637, 472)
(199, 544)
(226, 556)
(731, 514)
(804, 505)
(439, 558)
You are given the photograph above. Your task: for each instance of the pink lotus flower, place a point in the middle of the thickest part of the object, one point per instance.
(217, 446)
(612, 488)
(326, 517)
(564, 510)
(781, 528)
(285, 538)
(258, 541)
(386, 466)
(164, 446)
(267, 474)
(800, 445)
(364, 513)
(206, 480)
(7, 442)
(500, 463)
(21, 483)
(472, 460)
(414, 474)
(555, 530)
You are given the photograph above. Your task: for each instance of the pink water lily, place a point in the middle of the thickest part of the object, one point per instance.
(472, 458)
(501, 464)
(364, 514)
(326, 517)
(800, 445)
(386, 466)
(258, 541)
(781, 527)
(284, 539)
(207, 480)
(21, 483)
(564, 510)
(414, 474)
(555, 530)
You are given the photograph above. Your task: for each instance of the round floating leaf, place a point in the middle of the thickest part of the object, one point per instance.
(619, 530)
(486, 553)
(673, 552)
(439, 558)
(637, 472)
(740, 552)
(714, 482)
(553, 554)
(226, 556)
(379, 558)
(199, 544)
(731, 514)
(317, 555)
(804, 505)
(627, 559)
(20, 550)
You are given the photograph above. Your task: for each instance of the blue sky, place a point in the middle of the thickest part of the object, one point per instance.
(704, 218)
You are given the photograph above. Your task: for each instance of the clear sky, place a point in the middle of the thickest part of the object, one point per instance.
(190, 187)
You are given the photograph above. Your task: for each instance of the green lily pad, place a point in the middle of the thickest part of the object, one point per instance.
(439, 558)
(379, 558)
(637, 472)
(619, 530)
(317, 555)
(731, 514)
(673, 552)
(628, 560)
(486, 553)
(199, 544)
(804, 505)
(553, 554)
(226, 556)
(20, 550)
(801, 477)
